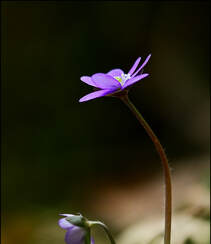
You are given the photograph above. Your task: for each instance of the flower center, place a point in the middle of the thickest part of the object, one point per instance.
(123, 78)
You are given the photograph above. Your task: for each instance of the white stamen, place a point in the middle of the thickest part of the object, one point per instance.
(123, 78)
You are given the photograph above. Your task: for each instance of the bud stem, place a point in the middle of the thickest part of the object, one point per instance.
(91, 223)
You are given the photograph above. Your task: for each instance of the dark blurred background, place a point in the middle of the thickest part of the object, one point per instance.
(58, 154)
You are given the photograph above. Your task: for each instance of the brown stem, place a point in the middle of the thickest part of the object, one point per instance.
(164, 160)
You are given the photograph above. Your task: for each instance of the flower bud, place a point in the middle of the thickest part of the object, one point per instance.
(78, 220)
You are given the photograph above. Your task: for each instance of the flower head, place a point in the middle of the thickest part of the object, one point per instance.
(76, 227)
(114, 81)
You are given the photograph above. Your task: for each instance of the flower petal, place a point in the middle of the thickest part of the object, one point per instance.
(75, 235)
(87, 80)
(134, 80)
(96, 94)
(105, 81)
(115, 72)
(64, 224)
(134, 66)
(67, 215)
(142, 66)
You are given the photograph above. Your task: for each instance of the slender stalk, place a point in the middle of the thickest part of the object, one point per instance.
(164, 160)
(105, 229)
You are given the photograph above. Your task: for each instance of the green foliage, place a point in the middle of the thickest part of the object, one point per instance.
(189, 241)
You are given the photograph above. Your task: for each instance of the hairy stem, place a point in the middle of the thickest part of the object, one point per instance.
(164, 160)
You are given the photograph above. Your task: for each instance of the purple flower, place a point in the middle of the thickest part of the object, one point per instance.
(114, 81)
(74, 234)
